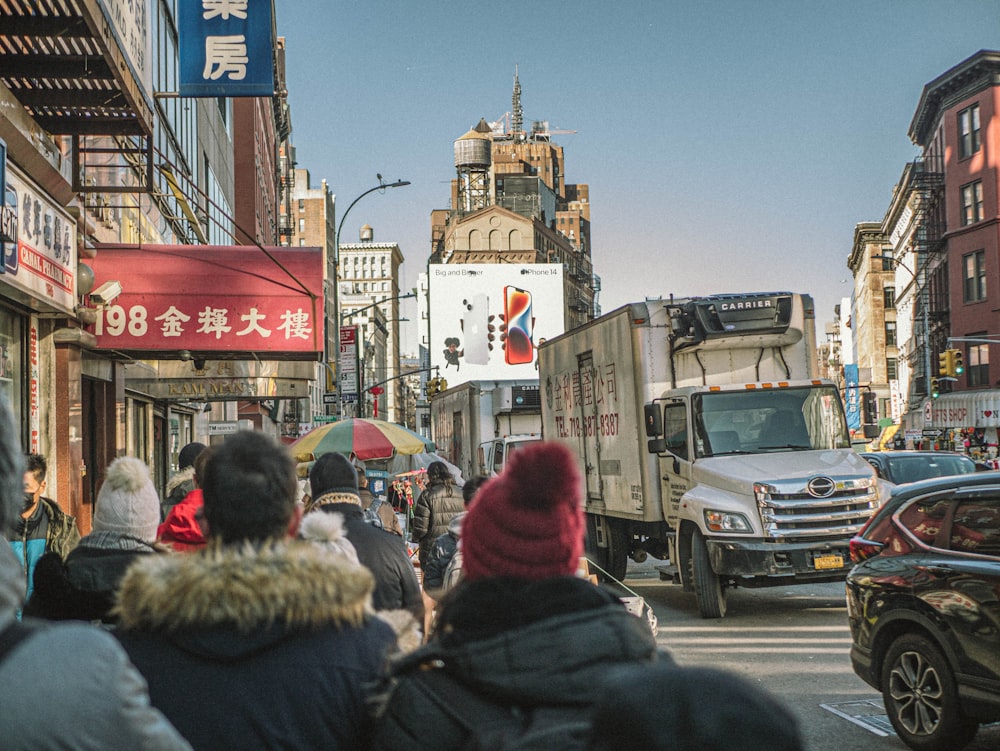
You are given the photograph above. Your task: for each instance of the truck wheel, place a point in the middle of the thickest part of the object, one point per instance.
(708, 589)
(613, 559)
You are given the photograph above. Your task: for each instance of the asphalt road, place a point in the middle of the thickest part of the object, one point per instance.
(794, 642)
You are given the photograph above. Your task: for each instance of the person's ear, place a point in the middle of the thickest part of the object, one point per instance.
(293, 525)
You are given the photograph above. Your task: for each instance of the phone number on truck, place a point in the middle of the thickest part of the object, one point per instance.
(589, 426)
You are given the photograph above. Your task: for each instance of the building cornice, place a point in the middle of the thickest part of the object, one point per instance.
(969, 77)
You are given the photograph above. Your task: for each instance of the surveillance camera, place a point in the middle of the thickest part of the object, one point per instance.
(106, 293)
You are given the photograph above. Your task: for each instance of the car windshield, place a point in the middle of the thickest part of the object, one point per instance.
(913, 468)
(766, 421)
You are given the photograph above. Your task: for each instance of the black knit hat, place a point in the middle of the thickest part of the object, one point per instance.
(188, 454)
(333, 473)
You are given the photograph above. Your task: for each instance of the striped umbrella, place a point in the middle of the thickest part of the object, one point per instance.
(364, 438)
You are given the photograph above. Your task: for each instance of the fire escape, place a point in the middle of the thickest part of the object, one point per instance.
(927, 241)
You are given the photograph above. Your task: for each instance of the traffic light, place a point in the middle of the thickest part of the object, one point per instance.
(946, 362)
(957, 362)
(935, 388)
(432, 386)
(442, 384)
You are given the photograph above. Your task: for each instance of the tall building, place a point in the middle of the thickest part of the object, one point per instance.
(310, 216)
(873, 319)
(510, 203)
(369, 298)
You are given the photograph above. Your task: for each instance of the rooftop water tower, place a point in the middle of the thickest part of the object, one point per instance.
(473, 160)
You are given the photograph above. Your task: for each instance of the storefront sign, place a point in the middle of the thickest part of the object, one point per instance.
(851, 396)
(211, 299)
(34, 389)
(226, 48)
(41, 261)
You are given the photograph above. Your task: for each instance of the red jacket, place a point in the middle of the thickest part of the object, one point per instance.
(181, 529)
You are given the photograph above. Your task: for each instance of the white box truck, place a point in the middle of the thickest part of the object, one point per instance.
(706, 439)
(475, 425)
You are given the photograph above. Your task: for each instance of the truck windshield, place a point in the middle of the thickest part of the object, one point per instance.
(766, 421)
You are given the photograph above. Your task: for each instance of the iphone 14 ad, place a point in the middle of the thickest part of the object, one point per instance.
(517, 313)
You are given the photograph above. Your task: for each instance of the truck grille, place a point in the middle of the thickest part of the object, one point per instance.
(789, 511)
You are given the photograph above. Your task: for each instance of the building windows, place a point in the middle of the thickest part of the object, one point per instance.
(974, 276)
(891, 373)
(890, 333)
(977, 364)
(302, 204)
(888, 262)
(972, 203)
(302, 226)
(889, 298)
(968, 132)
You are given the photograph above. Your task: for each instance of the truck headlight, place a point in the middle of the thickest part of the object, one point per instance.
(727, 521)
(763, 492)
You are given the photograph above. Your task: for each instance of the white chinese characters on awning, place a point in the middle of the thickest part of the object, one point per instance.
(973, 409)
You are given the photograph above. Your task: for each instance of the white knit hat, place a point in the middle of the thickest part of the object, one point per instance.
(127, 502)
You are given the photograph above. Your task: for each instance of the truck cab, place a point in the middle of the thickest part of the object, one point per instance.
(494, 454)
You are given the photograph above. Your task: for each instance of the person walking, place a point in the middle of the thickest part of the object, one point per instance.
(182, 481)
(125, 521)
(440, 502)
(333, 482)
(258, 640)
(66, 685)
(182, 529)
(520, 648)
(384, 510)
(442, 558)
(43, 526)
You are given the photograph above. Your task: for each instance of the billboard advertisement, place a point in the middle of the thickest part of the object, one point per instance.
(486, 320)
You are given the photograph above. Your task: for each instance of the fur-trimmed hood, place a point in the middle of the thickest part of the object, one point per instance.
(263, 594)
(179, 478)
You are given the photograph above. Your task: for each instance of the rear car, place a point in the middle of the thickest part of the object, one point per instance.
(923, 604)
(900, 467)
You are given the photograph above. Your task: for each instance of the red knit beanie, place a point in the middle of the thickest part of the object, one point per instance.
(528, 522)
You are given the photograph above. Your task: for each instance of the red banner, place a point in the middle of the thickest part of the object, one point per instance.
(211, 299)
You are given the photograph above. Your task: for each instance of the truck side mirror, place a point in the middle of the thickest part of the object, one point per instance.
(654, 421)
(656, 446)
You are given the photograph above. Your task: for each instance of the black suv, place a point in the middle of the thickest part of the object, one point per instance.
(924, 608)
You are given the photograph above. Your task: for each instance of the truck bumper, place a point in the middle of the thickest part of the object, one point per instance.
(805, 561)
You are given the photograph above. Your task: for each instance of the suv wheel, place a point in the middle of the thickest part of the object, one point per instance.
(921, 699)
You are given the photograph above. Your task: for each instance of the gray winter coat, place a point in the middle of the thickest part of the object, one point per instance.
(100, 700)
(432, 513)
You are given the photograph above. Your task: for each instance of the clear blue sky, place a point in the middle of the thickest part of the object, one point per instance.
(729, 146)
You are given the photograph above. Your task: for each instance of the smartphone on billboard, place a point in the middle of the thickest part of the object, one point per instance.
(519, 348)
(475, 330)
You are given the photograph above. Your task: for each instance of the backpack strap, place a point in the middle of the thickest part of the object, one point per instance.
(462, 705)
(16, 633)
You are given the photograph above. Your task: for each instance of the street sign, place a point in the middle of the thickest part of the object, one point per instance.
(329, 398)
(223, 428)
(317, 419)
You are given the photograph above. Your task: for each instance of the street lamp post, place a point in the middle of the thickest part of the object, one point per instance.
(381, 187)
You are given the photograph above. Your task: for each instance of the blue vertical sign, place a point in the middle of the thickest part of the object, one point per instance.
(852, 396)
(226, 48)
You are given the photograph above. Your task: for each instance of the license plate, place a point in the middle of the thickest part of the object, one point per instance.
(828, 561)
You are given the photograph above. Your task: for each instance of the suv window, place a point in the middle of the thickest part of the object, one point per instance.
(975, 526)
(971, 525)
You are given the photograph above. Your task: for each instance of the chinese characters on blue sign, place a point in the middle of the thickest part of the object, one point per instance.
(226, 48)
(852, 396)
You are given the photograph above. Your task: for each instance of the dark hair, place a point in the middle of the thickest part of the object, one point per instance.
(36, 464)
(11, 472)
(471, 487)
(249, 488)
(437, 472)
(200, 462)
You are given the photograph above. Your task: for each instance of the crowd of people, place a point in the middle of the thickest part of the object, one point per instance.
(232, 615)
